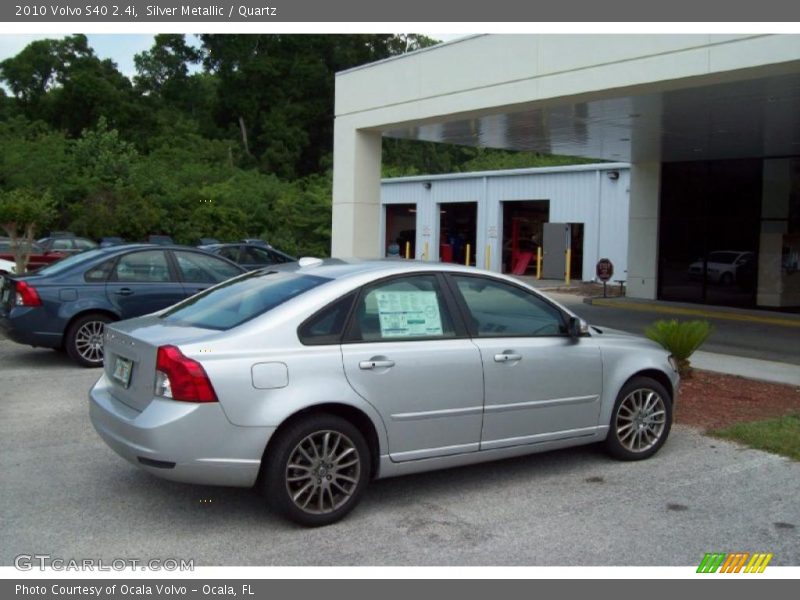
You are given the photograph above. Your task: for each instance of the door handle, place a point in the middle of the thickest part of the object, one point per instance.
(124, 292)
(368, 365)
(502, 358)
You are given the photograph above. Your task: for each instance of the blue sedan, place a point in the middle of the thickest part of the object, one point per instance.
(67, 304)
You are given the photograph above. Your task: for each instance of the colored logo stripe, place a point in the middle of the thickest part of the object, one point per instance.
(710, 563)
(734, 562)
(759, 561)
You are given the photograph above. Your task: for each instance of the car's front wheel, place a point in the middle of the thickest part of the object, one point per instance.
(84, 339)
(316, 469)
(641, 420)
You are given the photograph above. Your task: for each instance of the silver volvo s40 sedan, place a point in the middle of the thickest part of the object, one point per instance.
(312, 378)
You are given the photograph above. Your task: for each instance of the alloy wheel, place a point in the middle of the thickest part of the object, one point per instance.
(89, 341)
(641, 419)
(323, 472)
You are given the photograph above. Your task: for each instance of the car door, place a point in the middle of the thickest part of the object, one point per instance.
(540, 383)
(406, 353)
(142, 282)
(198, 270)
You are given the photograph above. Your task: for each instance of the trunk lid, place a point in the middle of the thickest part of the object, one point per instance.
(130, 350)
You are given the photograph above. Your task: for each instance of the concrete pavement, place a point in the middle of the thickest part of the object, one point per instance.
(66, 494)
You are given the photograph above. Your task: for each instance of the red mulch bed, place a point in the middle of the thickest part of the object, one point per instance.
(713, 400)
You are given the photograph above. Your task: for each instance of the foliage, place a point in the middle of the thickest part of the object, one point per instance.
(680, 338)
(22, 211)
(779, 436)
(221, 136)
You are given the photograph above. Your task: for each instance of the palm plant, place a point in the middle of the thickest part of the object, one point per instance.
(680, 338)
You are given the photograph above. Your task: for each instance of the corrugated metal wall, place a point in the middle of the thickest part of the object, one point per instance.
(584, 194)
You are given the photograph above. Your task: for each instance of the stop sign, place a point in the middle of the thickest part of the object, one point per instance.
(604, 269)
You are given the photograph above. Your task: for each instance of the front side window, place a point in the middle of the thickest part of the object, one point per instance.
(498, 309)
(406, 308)
(202, 268)
(149, 266)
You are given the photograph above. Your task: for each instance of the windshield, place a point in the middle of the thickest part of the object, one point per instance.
(66, 263)
(723, 257)
(240, 299)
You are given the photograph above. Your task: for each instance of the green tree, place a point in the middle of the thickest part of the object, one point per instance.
(22, 211)
(101, 181)
(64, 83)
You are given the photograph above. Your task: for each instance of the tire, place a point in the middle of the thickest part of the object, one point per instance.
(726, 279)
(630, 438)
(84, 339)
(330, 492)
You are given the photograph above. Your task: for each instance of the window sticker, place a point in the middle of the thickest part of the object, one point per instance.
(409, 314)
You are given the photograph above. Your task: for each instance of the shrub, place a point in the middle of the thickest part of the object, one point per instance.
(680, 338)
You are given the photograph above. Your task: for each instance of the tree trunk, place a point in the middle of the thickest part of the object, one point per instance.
(244, 136)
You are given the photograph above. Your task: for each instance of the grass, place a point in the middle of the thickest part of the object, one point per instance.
(779, 436)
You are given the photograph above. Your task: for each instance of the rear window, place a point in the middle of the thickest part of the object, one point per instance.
(241, 299)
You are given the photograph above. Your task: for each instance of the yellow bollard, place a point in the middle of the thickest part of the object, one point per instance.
(425, 252)
(539, 262)
(487, 263)
(408, 250)
(568, 266)
(466, 260)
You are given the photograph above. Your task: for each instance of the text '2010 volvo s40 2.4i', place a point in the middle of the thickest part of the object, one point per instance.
(312, 378)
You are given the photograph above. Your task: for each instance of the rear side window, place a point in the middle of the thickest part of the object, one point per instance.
(100, 272)
(230, 252)
(203, 268)
(240, 299)
(327, 325)
(256, 256)
(62, 244)
(85, 244)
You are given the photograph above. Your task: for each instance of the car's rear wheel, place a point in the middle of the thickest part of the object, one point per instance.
(84, 339)
(726, 279)
(316, 469)
(641, 420)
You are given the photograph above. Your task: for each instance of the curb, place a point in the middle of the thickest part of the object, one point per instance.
(694, 312)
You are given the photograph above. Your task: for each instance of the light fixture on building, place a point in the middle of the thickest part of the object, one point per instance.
(612, 175)
(427, 185)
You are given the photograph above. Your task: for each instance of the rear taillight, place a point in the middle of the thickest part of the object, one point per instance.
(181, 378)
(27, 295)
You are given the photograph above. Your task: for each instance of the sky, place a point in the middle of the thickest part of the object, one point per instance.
(119, 47)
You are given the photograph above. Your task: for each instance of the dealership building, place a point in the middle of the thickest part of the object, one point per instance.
(700, 132)
(507, 220)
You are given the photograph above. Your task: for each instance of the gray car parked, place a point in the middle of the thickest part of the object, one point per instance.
(314, 377)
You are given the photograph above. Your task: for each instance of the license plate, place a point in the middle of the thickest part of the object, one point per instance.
(122, 371)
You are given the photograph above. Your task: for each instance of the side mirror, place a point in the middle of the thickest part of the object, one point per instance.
(577, 327)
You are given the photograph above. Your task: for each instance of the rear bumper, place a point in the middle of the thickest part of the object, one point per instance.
(20, 325)
(180, 441)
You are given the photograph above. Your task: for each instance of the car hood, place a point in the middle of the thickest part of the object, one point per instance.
(617, 336)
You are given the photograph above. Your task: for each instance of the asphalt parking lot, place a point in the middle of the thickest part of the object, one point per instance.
(66, 494)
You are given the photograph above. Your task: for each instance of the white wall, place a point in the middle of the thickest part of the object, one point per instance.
(577, 195)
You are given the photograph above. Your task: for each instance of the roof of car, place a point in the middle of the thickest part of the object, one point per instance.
(339, 268)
